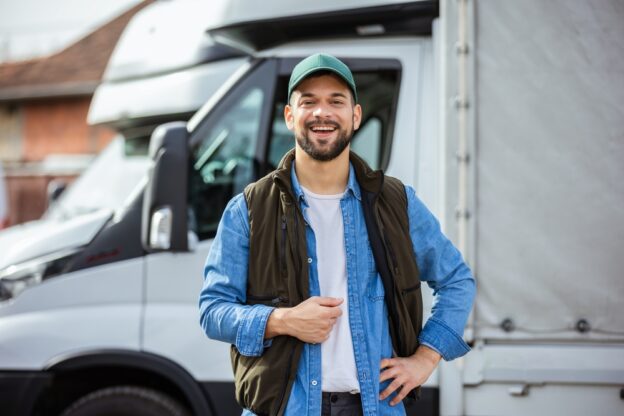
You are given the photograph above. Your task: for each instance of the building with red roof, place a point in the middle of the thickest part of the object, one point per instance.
(43, 111)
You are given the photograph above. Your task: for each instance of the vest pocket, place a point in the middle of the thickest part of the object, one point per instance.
(262, 383)
(411, 300)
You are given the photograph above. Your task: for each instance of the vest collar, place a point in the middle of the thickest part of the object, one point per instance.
(360, 176)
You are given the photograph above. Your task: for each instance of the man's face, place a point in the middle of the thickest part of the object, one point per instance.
(322, 116)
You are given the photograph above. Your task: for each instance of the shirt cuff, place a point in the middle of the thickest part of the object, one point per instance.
(441, 338)
(250, 335)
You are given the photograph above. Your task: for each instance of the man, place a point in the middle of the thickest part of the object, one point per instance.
(292, 278)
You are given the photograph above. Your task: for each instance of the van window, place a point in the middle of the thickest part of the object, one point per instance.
(377, 93)
(367, 142)
(107, 183)
(222, 163)
(223, 151)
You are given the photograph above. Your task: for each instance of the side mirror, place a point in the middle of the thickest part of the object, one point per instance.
(164, 225)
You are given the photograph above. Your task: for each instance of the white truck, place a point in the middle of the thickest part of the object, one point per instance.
(504, 116)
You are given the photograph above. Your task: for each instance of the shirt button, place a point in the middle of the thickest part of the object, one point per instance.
(314, 382)
(309, 259)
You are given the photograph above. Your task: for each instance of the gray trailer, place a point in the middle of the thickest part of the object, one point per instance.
(533, 128)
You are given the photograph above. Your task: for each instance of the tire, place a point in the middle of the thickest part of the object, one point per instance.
(126, 401)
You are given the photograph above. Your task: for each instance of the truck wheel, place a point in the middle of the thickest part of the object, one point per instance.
(125, 401)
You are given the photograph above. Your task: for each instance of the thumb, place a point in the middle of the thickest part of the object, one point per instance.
(329, 301)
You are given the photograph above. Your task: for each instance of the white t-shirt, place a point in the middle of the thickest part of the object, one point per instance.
(339, 373)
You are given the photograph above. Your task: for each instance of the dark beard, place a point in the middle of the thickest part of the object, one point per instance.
(335, 149)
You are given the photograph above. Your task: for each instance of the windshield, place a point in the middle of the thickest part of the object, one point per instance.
(106, 184)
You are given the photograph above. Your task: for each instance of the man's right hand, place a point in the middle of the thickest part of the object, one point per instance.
(311, 321)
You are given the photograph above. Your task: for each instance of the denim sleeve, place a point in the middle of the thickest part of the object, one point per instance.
(441, 265)
(223, 313)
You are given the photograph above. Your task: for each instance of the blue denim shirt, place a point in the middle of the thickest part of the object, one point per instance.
(225, 317)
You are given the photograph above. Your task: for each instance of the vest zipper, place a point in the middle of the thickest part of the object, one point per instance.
(298, 256)
(395, 266)
(282, 253)
(274, 300)
(299, 268)
(278, 300)
(284, 186)
(290, 359)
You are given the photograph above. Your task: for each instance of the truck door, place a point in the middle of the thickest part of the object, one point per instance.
(224, 157)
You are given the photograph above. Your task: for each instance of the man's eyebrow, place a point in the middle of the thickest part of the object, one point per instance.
(334, 94)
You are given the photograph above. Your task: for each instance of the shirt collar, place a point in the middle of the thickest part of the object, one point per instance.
(352, 184)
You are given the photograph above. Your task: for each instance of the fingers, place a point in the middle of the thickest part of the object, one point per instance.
(329, 306)
(402, 380)
(320, 335)
(333, 313)
(405, 389)
(313, 320)
(388, 362)
(394, 385)
(388, 374)
(327, 301)
(401, 386)
(392, 371)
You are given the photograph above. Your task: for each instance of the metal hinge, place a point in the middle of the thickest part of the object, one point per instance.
(461, 48)
(460, 102)
(462, 213)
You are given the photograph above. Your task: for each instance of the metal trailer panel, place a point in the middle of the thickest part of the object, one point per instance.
(551, 400)
(542, 379)
(549, 165)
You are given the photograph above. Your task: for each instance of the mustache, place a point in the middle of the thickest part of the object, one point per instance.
(327, 123)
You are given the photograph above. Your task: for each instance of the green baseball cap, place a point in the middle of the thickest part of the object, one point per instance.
(321, 62)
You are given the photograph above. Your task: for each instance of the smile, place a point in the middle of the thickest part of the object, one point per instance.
(322, 129)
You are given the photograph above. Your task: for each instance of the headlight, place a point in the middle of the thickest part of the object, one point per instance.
(14, 279)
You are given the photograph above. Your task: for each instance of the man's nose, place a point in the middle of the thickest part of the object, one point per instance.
(321, 110)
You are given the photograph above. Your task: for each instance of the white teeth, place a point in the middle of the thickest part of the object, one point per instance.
(322, 129)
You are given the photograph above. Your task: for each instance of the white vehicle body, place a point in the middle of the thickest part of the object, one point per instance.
(503, 118)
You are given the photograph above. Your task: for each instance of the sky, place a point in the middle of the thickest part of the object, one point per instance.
(32, 28)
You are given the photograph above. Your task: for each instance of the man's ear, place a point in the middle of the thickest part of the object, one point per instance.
(357, 116)
(288, 117)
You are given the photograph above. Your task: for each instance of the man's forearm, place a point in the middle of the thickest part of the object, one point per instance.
(428, 354)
